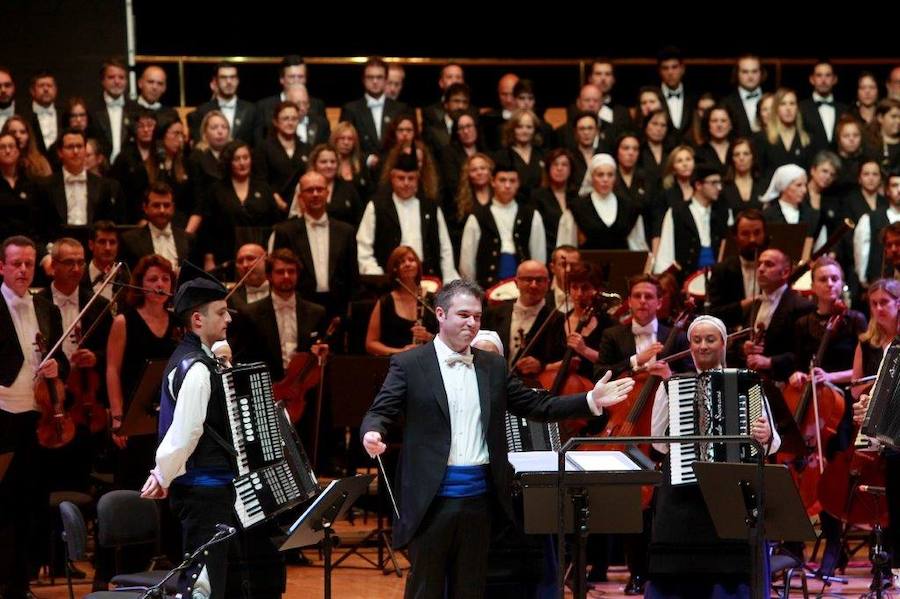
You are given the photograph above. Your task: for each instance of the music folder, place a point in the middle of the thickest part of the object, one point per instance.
(142, 417)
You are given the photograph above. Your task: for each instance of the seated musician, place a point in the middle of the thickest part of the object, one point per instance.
(400, 321)
(773, 315)
(732, 283)
(585, 282)
(518, 321)
(836, 368)
(884, 308)
(561, 261)
(687, 558)
(194, 467)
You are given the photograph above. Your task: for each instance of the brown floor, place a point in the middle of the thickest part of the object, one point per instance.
(357, 579)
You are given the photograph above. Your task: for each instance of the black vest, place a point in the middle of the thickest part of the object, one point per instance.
(488, 256)
(388, 233)
(597, 235)
(878, 220)
(687, 238)
(209, 453)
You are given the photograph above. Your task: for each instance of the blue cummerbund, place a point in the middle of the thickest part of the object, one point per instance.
(206, 477)
(508, 266)
(464, 481)
(707, 258)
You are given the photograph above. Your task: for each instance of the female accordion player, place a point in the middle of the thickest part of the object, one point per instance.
(687, 559)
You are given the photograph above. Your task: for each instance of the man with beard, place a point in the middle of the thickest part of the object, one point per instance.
(732, 282)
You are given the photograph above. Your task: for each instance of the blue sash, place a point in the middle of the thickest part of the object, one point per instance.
(508, 265)
(464, 481)
(707, 257)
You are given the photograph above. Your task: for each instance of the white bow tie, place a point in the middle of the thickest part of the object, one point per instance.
(81, 178)
(120, 102)
(153, 106)
(230, 104)
(62, 302)
(45, 111)
(167, 233)
(454, 359)
(375, 103)
(638, 330)
(323, 222)
(8, 111)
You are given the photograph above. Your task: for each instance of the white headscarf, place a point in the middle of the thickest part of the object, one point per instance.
(489, 336)
(783, 177)
(720, 326)
(601, 160)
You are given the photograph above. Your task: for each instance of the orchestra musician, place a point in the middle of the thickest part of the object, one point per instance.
(194, 467)
(23, 496)
(454, 477)
(687, 558)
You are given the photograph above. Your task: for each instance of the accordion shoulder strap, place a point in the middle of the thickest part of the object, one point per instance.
(181, 372)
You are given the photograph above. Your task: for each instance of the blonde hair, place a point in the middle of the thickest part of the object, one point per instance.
(509, 129)
(873, 334)
(775, 128)
(668, 173)
(465, 199)
(203, 144)
(355, 154)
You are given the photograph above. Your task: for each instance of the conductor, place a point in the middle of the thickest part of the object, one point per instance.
(454, 478)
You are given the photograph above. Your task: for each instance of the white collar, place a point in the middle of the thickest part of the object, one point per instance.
(510, 206)
(38, 109)
(154, 106)
(529, 309)
(59, 295)
(746, 92)
(277, 301)
(155, 231)
(405, 202)
(817, 98)
(11, 296)
(444, 351)
(310, 220)
(775, 296)
(598, 198)
(698, 206)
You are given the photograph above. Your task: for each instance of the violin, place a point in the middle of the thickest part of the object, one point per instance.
(84, 385)
(817, 409)
(55, 428)
(303, 373)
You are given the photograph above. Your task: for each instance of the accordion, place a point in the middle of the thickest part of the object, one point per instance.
(715, 402)
(274, 473)
(882, 421)
(523, 434)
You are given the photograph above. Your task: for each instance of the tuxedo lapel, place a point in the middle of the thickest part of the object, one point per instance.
(483, 374)
(93, 197)
(332, 250)
(432, 372)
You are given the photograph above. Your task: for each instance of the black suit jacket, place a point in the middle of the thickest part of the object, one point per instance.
(499, 319)
(101, 203)
(726, 291)
(812, 121)
(101, 129)
(410, 389)
(779, 337)
(28, 114)
(617, 347)
(357, 112)
(258, 338)
(244, 120)
(735, 106)
(343, 269)
(11, 357)
(319, 129)
(97, 341)
(138, 243)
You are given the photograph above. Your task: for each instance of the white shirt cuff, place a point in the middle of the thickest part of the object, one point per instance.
(592, 405)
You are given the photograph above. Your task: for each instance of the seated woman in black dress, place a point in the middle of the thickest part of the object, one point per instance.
(656, 143)
(717, 130)
(282, 157)
(17, 192)
(742, 184)
(558, 190)
(633, 183)
(687, 557)
(399, 320)
(240, 209)
(203, 162)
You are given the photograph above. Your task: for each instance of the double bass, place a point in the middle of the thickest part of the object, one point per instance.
(817, 409)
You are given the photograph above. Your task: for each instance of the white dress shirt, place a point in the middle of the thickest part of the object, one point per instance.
(675, 104)
(410, 234)
(376, 107)
(791, 213)
(46, 116)
(228, 108)
(164, 242)
(827, 113)
(467, 443)
(767, 306)
(115, 108)
(505, 218)
(7, 112)
(607, 208)
(644, 337)
(254, 294)
(523, 318)
(68, 308)
(559, 296)
(148, 105)
(76, 197)
(702, 215)
(318, 235)
(303, 129)
(659, 420)
(605, 114)
(862, 240)
(95, 274)
(286, 319)
(19, 397)
(750, 100)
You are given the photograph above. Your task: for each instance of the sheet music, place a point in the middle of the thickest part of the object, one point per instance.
(589, 461)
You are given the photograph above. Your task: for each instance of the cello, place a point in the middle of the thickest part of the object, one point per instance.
(817, 409)
(303, 373)
(55, 428)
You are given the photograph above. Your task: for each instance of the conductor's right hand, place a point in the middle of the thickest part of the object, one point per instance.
(373, 444)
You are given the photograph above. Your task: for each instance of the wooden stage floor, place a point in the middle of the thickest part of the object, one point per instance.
(357, 579)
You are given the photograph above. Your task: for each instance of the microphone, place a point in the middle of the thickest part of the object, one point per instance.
(225, 529)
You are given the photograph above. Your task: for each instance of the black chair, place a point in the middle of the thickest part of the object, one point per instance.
(785, 566)
(123, 520)
(74, 535)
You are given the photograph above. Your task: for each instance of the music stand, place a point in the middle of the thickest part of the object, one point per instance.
(142, 417)
(315, 524)
(619, 266)
(5, 461)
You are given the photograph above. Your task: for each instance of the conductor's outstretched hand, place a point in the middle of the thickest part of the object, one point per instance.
(608, 393)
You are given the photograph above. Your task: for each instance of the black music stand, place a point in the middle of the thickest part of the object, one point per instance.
(619, 266)
(142, 417)
(315, 524)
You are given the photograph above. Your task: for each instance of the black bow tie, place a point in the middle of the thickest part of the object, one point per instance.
(752, 95)
(824, 103)
(673, 95)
